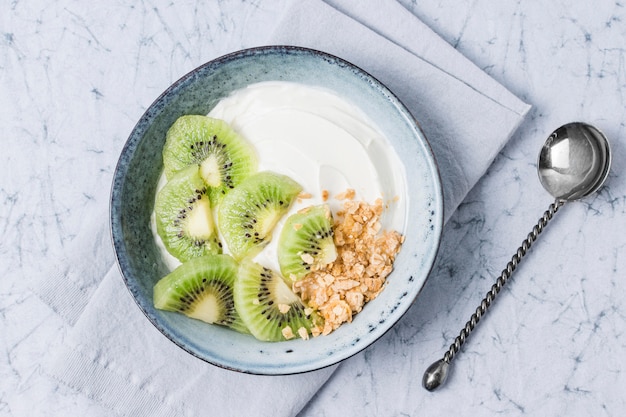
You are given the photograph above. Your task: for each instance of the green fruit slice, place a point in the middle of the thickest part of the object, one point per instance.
(306, 242)
(268, 307)
(248, 213)
(224, 158)
(202, 288)
(184, 218)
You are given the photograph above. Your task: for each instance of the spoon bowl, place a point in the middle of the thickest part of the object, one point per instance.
(573, 163)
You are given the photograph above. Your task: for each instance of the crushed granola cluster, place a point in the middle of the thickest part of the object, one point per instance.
(365, 257)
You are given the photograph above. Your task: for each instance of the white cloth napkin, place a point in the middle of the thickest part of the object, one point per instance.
(115, 356)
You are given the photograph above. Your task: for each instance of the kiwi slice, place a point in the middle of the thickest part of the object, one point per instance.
(202, 288)
(184, 219)
(268, 307)
(247, 215)
(223, 156)
(306, 242)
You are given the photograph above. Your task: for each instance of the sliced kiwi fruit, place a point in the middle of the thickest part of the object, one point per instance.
(224, 157)
(268, 307)
(247, 214)
(184, 218)
(202, 288)
(306, 242)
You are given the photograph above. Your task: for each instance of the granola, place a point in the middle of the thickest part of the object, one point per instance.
(365, 257)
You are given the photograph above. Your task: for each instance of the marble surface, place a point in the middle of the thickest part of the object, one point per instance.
(75, 77)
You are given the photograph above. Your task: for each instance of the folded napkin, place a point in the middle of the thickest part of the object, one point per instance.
(113, 355)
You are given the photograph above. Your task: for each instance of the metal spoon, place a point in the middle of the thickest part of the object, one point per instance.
(573, 163)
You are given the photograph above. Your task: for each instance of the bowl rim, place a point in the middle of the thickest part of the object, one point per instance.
(116, 230)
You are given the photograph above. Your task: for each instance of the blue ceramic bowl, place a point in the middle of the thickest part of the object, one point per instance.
(140, 166)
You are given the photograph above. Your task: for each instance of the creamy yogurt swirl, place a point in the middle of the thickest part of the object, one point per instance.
(320, 140)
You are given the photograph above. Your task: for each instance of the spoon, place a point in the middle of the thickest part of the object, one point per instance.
(573, 163)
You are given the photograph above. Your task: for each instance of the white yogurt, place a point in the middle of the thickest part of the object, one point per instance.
(320, 140)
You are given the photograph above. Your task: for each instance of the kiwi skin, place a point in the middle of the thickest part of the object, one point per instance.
(223, 156)
(306, 242)
(260, 294)
(184, 218)
(202, 288)
(247, 214)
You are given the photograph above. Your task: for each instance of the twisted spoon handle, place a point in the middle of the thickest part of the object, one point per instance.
(437, 373)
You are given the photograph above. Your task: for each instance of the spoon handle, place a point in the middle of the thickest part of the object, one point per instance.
(437, 373)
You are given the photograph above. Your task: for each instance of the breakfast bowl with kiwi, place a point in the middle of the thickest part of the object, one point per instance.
(275, 211)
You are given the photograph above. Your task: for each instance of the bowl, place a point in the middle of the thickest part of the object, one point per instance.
(140, 166)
